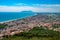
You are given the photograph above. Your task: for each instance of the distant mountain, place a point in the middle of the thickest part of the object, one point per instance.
(27, 12)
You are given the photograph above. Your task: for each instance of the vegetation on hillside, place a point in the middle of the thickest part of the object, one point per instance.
(2, 26)
(37, 33)
(56, 26)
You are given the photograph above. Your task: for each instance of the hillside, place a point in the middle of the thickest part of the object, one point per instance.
(50, 21)
(37, 33)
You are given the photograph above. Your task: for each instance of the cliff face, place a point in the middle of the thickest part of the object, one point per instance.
(47, 20)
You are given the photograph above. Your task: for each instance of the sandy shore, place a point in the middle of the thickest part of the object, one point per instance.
(8, 20)
(15, 19)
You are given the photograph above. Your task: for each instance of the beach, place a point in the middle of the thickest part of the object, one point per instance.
(10, 16)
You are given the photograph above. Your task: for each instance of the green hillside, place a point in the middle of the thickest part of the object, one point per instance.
(37, 33)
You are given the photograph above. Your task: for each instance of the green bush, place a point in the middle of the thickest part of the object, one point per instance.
(38, 31)
(3, 26)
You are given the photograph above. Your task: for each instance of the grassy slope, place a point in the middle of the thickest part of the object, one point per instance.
(33, 38)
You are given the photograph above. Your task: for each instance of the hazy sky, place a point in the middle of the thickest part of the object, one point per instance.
(32, 5)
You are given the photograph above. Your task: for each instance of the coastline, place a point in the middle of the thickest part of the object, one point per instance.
(8, 20)
(16, 19)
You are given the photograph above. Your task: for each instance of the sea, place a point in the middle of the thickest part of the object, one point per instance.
(8, 16)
